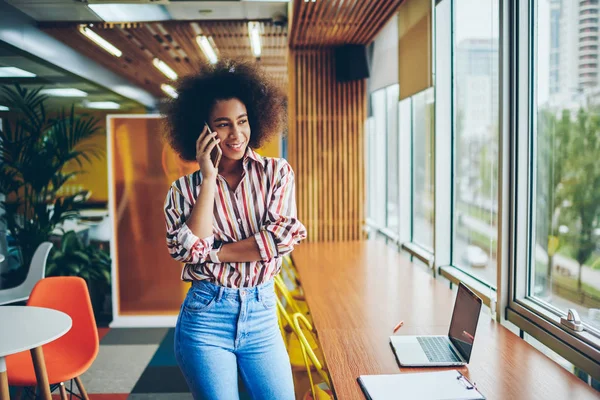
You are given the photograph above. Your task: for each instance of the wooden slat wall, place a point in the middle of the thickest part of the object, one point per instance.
(327, 118)
(326, 146)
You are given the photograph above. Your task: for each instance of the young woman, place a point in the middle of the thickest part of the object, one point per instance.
(230, 225)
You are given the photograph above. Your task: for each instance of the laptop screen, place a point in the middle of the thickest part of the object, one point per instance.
(464, 321)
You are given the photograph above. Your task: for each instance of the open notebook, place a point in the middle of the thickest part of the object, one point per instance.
(443, 385)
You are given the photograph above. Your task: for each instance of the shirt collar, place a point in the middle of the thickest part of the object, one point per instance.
(251, 155)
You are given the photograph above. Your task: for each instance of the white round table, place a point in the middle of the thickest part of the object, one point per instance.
(28, 328)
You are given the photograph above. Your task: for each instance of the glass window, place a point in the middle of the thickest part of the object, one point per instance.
(423, 168)
(555, 21)
(392, 93)
(476, 137)
(565, 245)
(370, 163)
(378, 159)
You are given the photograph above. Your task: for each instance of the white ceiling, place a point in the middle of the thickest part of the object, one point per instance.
(75, 10)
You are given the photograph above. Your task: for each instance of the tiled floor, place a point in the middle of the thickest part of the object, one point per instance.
(135, 364)
(139, 363)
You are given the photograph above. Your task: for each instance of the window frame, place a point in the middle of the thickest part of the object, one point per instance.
(393, 89)
(445, 137)
(540, 320)
(516, 184)
(413, 246)
(373, 143)
(371, 222)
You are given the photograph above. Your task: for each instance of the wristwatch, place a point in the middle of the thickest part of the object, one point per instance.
(213, 255)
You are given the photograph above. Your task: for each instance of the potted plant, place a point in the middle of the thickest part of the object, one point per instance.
(34, 149)
(75, 258)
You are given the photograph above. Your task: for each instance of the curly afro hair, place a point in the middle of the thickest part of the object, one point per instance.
(228, 79)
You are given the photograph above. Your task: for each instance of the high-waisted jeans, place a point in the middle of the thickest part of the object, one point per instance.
(221, 331)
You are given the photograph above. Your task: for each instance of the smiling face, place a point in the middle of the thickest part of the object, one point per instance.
(229, 119)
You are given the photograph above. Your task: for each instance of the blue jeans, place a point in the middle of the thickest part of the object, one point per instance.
(221, 331)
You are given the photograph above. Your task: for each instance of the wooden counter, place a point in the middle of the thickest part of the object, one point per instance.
(358, 291)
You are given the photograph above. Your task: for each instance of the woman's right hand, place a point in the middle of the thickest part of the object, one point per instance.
(204, 145)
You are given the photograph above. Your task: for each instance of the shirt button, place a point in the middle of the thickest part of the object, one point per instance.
(239, 220)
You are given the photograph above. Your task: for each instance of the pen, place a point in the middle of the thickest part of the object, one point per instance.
(398, 326)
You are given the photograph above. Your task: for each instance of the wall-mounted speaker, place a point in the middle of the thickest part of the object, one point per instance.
(351, 62)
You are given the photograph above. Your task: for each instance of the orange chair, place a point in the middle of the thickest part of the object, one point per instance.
(71, 355)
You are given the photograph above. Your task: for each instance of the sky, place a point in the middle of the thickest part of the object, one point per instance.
(479, 19)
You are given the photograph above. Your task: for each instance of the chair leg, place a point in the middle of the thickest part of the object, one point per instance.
(3, 382)
(81, 389)
(63, 391)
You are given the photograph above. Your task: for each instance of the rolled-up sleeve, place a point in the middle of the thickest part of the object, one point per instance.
(282, 230)
(184, 246)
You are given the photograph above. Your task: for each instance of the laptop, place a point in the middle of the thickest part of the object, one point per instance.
(451, 350)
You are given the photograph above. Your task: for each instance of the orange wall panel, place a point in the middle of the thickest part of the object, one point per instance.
(143, 166)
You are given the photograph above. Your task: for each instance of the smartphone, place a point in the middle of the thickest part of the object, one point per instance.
(216, 153)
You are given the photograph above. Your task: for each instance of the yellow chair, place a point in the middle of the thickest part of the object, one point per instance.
(291, 275)
(288, 305)
(322, 390)
(291, 302)
(292, 343)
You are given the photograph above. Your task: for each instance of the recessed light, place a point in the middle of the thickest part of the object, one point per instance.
(64, 92)
(13, 72)
(100, 41)
(170, 90)
(254, 33)
(165, 69)
(102, 105)
(207, 49)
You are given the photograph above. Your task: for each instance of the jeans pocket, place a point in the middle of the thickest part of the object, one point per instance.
(198, 301)
(268, 300)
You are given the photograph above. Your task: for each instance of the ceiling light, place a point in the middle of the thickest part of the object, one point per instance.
(207, 49)
(12, 72)
(165, 69)
(64, 92)
(254, 32)
(102, 105)
(3, 108)
(170, 90)
(130, 12)
(100, 41)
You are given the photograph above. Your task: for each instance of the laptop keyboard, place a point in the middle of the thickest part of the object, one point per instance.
(437, 349)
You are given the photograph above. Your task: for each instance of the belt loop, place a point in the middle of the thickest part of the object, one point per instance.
(221, 289)
(259, 293)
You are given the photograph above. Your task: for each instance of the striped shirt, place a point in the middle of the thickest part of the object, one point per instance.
(263, 205)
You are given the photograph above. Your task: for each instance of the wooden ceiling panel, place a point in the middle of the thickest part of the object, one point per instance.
(336, 22)
(174, 42)
(130, 66)
(318, 24)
